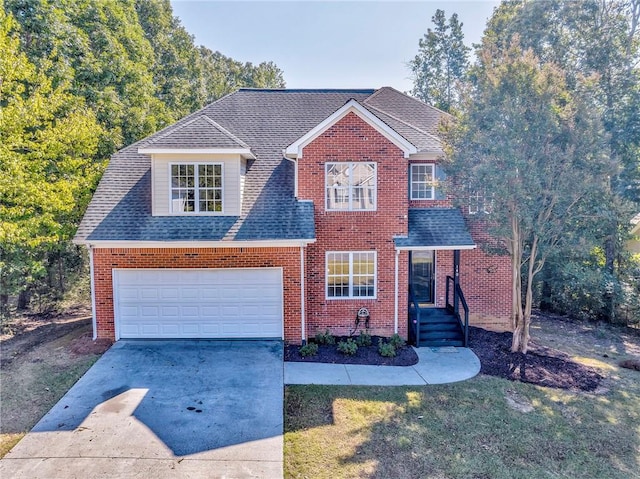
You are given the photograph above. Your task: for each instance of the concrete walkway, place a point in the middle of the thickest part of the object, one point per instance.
(435, 366)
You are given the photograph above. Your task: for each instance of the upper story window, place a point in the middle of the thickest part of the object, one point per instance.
(196, 188)
(479, 202)
(351, 274)
(422, 182)
(350, 186)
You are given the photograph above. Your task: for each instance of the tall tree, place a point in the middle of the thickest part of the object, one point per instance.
(535, 148)
(48, 138)
(223, 75)
(597, 42)
(442, 61)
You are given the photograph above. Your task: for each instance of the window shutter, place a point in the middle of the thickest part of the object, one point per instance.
(441, 194)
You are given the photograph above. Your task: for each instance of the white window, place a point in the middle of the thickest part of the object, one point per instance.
(479, 202)
(422, 181)
(196, 188)
(350, 186)
(351, 274)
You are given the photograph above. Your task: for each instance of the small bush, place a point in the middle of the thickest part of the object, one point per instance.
(386, 350)
(364, 339)
(348, 347)
(396, 341)
(325, 338)
(309, 349)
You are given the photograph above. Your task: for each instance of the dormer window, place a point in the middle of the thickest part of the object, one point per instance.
(196, 188)
(350, 186)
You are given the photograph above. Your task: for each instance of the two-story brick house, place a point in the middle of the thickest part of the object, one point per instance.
(280, 213)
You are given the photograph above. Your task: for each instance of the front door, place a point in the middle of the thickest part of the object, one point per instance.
(422, 275)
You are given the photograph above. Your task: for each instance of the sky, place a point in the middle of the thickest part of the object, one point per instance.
(327, 44)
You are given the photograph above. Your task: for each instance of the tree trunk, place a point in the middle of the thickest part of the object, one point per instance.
(516, 282)
(23, 300)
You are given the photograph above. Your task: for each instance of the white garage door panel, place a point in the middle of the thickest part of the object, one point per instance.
(221, 303)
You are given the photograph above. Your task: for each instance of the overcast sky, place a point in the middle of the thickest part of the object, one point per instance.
(328, 44)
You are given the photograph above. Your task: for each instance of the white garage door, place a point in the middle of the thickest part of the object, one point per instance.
(198, 303)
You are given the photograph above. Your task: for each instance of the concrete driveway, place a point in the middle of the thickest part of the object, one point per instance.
(164, 409)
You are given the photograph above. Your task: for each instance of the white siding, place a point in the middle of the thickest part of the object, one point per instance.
(231, 182)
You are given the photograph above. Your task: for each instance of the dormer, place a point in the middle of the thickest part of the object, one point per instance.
(197, 168)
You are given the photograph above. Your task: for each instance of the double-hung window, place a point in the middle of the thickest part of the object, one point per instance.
(351, 274)
(422, 181)
(196, 188)
(479, 202)
(350, 186)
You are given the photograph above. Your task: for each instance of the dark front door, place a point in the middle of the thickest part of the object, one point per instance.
(422, 275)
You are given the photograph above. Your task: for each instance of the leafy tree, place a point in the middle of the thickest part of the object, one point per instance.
(536, 148)
(177, 67)
(441, 62)
(595, 43)
(48, 138)
(223, 75)
(99, 47)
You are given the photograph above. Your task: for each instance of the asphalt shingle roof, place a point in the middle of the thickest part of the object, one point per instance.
(436, 227)
(200, 132)
(265, 121)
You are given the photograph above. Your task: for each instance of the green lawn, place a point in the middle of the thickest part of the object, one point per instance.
(474, 429)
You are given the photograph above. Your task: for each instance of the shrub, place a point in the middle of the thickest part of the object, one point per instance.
(396, 341)
(325, 338)
(348, 347)
(386, 350)
(364, 339)
(309, 349)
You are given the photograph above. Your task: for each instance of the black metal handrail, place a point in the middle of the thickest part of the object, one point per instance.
(416, 324)
(454, 307)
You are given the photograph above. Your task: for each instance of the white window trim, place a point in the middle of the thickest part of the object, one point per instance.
(351, 163)
(350, 297)
(195, 165)
(433, 181)
(474, 199)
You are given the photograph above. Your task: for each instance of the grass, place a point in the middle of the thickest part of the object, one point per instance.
(474, 429)
(34, 382)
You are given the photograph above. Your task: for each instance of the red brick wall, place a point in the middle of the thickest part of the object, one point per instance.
(353, 140)
(486, 283)
(104, 260)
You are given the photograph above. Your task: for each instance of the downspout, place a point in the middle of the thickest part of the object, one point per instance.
(395, 311)
(93, 294)
(302, 296)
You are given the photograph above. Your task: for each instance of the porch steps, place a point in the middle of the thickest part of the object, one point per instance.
(438, 327)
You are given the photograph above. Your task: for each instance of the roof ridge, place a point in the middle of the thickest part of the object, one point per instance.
(413, 99)
(404, 122)
(310, 90)
(163, 134)
(223, 130)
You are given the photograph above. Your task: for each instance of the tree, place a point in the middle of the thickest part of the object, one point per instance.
(48, 138)
(223, 75)
(599, 42)
(535, 147)
(442, 60)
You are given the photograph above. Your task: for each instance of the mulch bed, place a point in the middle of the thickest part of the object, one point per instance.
(541, 366)
(405, 356)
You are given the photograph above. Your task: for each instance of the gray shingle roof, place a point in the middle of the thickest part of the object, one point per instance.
(436, 227)
(263, 120)
(411, 110)
(200, 132)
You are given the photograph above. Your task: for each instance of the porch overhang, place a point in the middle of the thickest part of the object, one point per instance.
(435, 229)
